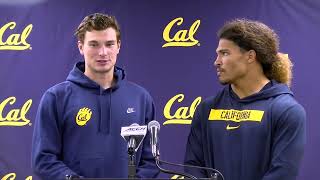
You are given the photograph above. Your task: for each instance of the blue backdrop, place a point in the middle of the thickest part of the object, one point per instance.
(38, 49)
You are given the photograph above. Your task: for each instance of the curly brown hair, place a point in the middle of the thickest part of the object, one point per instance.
(254, 35)
(97, 21)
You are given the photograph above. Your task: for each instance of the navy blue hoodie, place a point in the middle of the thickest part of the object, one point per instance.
(78, 124)
(260, 137)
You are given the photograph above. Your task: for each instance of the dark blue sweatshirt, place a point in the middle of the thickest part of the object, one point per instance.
(260, 137)
(78, 124)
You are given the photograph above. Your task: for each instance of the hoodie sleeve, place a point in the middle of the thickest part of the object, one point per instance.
(46, 142)
(147, 166)
(194, 149)
(289, 139)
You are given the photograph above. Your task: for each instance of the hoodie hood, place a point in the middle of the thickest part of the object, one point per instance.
(77, 76)
(272, 89)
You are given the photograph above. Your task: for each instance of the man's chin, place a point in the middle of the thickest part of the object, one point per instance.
(103, 70)
(223, 82)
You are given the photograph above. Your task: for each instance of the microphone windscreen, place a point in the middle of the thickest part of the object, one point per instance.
(134, 124)
(153, 123)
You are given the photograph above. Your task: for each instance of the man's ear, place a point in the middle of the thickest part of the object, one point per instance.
(252, 56)
(80, 47)
(119, 44)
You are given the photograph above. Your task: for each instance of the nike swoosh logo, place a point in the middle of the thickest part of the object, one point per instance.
(232, 127)
(130, 110)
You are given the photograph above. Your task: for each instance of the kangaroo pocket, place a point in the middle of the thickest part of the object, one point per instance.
(92, 167)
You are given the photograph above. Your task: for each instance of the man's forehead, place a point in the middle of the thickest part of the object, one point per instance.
(99, 40)
(102, 35)
(225, 44)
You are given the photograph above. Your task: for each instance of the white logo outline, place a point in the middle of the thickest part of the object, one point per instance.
(130, 110)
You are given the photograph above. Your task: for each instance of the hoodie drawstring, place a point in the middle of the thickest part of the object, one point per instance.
(105, 112)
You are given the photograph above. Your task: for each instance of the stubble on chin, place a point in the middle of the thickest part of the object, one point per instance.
(223, 82)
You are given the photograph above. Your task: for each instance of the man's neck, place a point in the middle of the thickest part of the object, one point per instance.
(246, 87)
(105, 80)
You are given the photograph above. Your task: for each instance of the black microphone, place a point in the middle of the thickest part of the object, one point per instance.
(132, 140)
(134, 135)
(154, 128)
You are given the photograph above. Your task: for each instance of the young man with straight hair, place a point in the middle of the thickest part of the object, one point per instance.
(78, 123)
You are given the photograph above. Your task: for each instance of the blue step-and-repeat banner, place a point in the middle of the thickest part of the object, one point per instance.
(168, 47)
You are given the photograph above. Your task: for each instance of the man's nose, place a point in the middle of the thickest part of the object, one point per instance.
(103, 51)
(217, 62)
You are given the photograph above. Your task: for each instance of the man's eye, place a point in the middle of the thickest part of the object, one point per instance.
(225, 53)
(110, 44)
(93, 45)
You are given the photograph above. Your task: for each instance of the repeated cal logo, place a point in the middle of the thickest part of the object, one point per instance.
(15, 117)
(184, 38)
(14, 41)
(83, 116)
(183, 115)
(12, 176)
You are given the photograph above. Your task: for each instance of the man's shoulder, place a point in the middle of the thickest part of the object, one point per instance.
(209, 100)
(61, 87)
(285, 100)
(207, 104)
(212, 99)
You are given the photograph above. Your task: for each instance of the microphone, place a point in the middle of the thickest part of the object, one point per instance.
(154, 128)
(134, 135)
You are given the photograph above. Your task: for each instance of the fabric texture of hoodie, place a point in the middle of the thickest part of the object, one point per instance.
(78, 125)
(260, 137)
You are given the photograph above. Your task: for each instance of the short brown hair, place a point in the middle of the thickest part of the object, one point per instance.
(254, 35)
(97, 21)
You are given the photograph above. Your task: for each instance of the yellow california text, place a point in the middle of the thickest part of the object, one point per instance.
(235, 115)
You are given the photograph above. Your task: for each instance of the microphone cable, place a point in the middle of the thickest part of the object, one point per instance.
(172, 172)
(191, 166)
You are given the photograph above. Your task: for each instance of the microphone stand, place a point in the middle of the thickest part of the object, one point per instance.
(131, 161)
(214, 176)
(172, 172)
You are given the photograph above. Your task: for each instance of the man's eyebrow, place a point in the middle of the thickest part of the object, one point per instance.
(93, 41)
(221, 50)
(111, 41)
